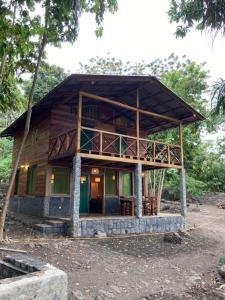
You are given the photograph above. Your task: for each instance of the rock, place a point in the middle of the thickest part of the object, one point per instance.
(115, 289)
(218, 294)
(184, 233)
(100, 234)
(195, 209)
(173, 238)
(76, 295)
(221, 271)
(104, 295)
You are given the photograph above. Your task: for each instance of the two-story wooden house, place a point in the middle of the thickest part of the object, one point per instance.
(88, 151)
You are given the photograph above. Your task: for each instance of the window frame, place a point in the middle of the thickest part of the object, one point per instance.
(31, 169)
(55, 193)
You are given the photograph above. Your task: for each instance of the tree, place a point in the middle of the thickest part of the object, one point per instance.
(202, 15)
(60, 24)
(49, 76)
(18, 35)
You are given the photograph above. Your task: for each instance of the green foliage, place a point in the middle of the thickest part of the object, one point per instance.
(200, 14)
(5, 158)
(222, 260)
(49, 77)
(218, 97)
(194, 186)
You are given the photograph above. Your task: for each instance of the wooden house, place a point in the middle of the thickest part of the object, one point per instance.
(88, 150)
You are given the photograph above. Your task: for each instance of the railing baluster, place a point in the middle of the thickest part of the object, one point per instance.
(153, 151)
(120, 147)
(168, 154)
(100, 142)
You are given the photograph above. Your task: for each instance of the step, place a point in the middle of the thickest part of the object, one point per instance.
(48, 229)
(55, 223)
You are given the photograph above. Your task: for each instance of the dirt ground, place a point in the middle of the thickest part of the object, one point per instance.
(137, 267)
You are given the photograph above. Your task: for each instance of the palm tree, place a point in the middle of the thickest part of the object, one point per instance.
(218, 97)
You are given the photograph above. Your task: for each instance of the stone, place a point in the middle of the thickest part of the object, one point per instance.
(100, 234)
(104, 295)
(184, 233)
(173, 238)
(221, 271)
(76, 295)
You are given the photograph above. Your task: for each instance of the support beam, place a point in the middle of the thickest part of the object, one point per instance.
(181, 144)
(75, 197)
(138, 191)
(126, 106)
(183, 200)
(79, 116)
(138, 125)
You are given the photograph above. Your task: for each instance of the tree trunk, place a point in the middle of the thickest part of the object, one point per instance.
(4, 58)
(25, 134)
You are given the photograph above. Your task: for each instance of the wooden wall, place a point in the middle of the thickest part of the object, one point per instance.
(35, 153)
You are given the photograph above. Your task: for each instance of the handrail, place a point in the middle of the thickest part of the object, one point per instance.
(129, 136)
(107, 143)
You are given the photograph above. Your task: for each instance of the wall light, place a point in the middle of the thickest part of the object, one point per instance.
(52, 178)
(142, 174)
(83, 179)
(113, 177)
(95, 171)
(25, 167)
(97, 179)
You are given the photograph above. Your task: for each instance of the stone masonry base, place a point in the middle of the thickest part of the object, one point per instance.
(130, 225)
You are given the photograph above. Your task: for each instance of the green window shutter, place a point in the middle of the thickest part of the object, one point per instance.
(110, 182)
(126, 184)
(31, 180)
(60, 180)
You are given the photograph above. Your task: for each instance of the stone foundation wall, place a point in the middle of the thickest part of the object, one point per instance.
(40, 206)
(131, 225)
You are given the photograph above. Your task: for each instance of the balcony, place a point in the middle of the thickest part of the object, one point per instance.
(100, 144)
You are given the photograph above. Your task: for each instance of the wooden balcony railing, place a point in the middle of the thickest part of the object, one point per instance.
(62, 145)
(100, 142)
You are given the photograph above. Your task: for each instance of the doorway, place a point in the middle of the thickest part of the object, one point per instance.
(84, 194)
(96, 194)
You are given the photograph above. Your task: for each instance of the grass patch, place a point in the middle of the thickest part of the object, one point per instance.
(222, 261)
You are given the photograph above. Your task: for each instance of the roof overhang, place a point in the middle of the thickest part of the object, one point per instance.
(154, 97)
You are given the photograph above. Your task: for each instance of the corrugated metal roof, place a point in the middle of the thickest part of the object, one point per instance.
(154, 96)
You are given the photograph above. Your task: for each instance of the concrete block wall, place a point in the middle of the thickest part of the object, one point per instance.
(40, 281)
(130, 225)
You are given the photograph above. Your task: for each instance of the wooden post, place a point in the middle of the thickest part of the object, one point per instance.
(120, 146)
(100, 141)
(138, 124)
(79, 116)
(181, 144)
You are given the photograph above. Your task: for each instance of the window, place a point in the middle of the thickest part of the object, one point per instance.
(127, 184)
(31, 179)
(16, 188)
(110, 182)
(60, 180)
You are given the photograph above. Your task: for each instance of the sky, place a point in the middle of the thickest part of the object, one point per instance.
(139, 30)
